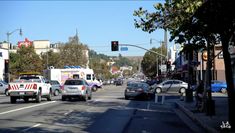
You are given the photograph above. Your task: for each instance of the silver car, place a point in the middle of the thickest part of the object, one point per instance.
(171, 85)
(76, 88)
(4, 88)
(56, 87)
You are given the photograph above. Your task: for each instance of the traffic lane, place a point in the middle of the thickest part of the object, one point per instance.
(45, 119)
(5, 104)
(66, 116)
(26, 120)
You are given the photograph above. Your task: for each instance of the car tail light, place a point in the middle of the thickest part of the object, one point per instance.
(62, 87)
(9, 87)
(35, 86)
(83, 87)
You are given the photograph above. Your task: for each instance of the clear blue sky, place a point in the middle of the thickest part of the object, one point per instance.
(97, 23)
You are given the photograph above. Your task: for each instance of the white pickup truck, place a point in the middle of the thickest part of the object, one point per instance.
(29, 86)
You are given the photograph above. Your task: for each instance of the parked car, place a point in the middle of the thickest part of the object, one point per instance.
(171, 85)
(137, 90)
(4, 88)
(119, 82)
(218, 86)
(151, 82)
(76, 88)
(55, 85)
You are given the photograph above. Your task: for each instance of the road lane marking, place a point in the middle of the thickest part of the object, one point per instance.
(68, 112)
(31, 127)
(14, 110)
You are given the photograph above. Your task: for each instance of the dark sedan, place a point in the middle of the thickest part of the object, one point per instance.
(137, 90)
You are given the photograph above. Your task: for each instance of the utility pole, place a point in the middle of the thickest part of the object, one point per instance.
(165, 40)
(8, 41)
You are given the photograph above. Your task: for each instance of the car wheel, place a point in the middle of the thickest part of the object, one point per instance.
(26, 100)
(158, 90)
(13, 100)
(182, 90)
(223, 90)
(49, 96)
(56, 93)
(94, 88)
(39, 97)
(6, 92)
(89, 98)
(126, 97)
(63, 98)
(85, 97)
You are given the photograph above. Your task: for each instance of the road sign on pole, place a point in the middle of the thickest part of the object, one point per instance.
(124, 48)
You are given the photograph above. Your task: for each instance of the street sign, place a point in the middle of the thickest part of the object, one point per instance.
(124, 48)
(163, 68)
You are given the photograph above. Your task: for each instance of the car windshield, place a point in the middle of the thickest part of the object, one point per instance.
(3, 82)
(74, 82)
(29, 77)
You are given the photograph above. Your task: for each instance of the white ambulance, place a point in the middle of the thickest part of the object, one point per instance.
(62, 75)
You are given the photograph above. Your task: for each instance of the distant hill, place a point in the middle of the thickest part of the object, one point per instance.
(134, 58)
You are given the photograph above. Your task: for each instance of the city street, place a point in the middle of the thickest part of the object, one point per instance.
(107, 112)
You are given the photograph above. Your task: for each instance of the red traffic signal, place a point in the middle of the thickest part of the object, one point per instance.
(114, 46)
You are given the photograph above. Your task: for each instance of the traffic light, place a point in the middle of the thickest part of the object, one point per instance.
(6, 66)
(168, 65)
(114, 46)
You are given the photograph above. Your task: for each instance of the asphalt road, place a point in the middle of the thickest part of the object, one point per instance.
(107, 112)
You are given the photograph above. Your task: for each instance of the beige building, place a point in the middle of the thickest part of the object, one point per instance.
(218, 68)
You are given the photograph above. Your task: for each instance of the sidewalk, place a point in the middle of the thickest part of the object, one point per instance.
(211, 124)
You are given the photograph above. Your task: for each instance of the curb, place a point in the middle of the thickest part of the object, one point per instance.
(195, 119)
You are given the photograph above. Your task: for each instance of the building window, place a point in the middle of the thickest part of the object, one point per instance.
(88, 76)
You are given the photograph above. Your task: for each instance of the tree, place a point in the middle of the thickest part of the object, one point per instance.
(150, 61)
(51, 58)
(73, 54)
(25, 60)
(123, 61)
(195, 22)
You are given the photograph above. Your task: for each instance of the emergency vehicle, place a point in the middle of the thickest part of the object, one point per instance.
(62, 75)
(29, 85)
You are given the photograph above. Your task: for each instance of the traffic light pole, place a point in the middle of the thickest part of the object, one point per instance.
(144, 49)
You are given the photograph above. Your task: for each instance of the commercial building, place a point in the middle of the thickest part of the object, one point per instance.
(192, 62)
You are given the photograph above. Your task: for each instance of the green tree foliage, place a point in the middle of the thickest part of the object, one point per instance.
(196, 22)
(98, 62)
(123, 61)
(51, 58)
(169, 15)
(72, 55)
(25, 60)
(150, 60)
(93, 54)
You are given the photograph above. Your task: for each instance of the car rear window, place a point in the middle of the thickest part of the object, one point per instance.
(29, 77)
(74, 82)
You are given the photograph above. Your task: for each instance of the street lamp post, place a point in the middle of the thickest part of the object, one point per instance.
(8, 41)
(151, 40)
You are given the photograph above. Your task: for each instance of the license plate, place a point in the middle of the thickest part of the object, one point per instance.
(21, 93)
(72, 87)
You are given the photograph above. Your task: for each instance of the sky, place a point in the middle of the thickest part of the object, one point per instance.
(97, 23)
